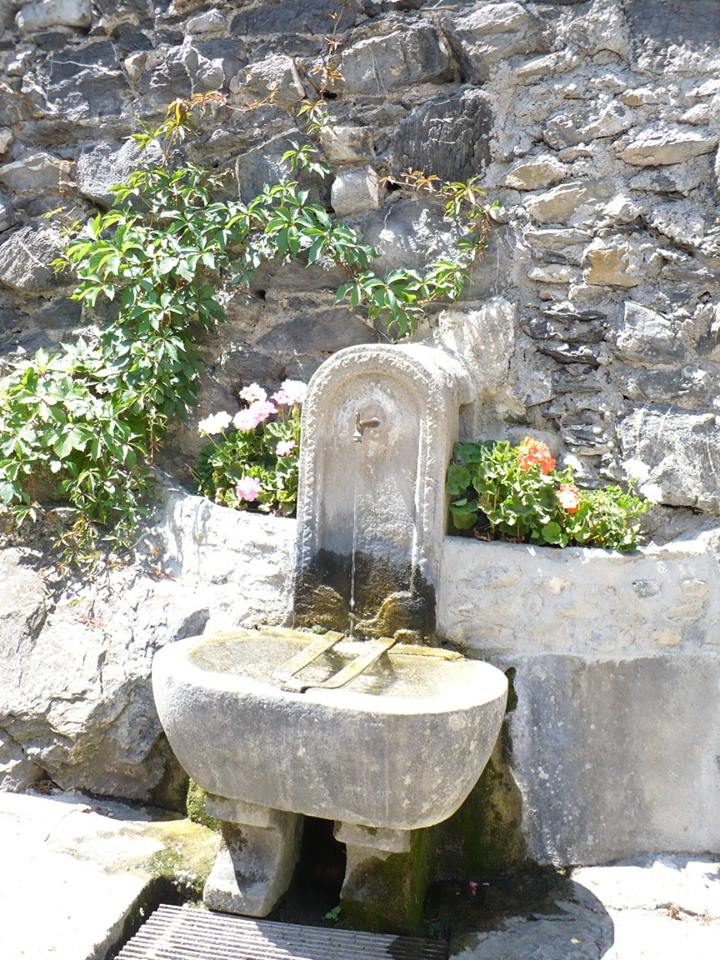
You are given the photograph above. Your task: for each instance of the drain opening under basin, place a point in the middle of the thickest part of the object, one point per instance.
(187, 933)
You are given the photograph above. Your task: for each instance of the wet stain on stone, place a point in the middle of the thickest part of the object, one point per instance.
(388, 599)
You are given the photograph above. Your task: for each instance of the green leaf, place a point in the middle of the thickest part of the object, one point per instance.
(464, 514)
(73, 439)
(8, 492)
(552, 532)
(458, 479)
(167, 265)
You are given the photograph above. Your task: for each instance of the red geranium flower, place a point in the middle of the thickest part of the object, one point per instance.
(533, 453)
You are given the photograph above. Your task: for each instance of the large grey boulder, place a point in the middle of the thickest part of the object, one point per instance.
(38, 171)
(177, 72)
(675, 36)
(617, 262)
(23, 602)
(23, 609)
(17, 771)
(295, 17)
(693, 386)
(536, 173)
(410, 233)
(415, 53)
(86, 83)
(661, 144)
(489, 33)
(567, 202)
(570, 127)
(263, 166)
(354, 190)
(342, 143)
(75, 698)
(645, 335)
(206, 22)
(275, 78)
(675, 178)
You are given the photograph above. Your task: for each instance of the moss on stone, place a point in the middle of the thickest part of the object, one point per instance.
(386, 893)
(188, 853)
(489, 822)
(398, 613)
(485, 836)
(195, 805)
(322, 607)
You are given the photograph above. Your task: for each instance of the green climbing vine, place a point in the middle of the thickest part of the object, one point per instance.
(82, 425)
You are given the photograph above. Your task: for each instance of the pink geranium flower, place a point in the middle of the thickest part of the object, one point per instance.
(290, 392)
(252, 393)
(261, 410)
(244, 420)
(285, 448)
(248, 489)
(252, 416)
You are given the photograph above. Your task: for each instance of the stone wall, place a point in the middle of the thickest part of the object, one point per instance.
(596, 125)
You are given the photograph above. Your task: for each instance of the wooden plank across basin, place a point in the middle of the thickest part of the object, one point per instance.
(187, 933)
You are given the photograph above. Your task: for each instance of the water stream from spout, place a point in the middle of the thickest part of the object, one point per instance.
(353, 555)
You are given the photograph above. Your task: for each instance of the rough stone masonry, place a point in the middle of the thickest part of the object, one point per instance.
(596, 124)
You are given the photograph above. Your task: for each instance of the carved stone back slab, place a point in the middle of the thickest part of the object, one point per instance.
(379, 423)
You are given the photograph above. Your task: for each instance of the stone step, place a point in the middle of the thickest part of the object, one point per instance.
(77, 872)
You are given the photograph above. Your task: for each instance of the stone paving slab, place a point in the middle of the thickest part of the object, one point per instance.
(653, 908)
(75, 870)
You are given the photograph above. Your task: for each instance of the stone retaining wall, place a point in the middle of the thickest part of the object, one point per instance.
(613, 740)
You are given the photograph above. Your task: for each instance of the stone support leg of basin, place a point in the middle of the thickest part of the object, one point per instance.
(256, 860)
(385, 877)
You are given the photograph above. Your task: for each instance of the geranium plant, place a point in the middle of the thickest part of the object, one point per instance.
(505, 492)
(251, 460)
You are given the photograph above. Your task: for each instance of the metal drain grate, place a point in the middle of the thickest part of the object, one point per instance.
(186, 933)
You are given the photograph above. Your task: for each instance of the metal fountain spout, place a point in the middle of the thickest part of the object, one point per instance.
(362, 425)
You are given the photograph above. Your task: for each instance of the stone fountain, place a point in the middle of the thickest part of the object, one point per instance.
(367, 723)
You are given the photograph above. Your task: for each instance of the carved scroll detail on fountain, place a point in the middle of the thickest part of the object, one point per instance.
(379, 423)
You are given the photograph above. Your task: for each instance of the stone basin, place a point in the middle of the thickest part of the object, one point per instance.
(399, 747)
